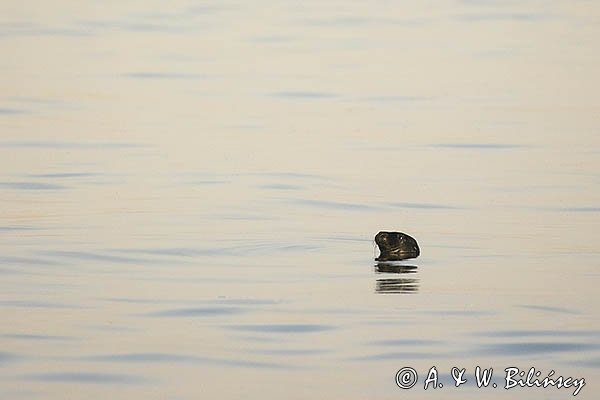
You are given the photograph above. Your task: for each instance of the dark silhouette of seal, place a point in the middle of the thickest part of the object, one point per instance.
(396, 246)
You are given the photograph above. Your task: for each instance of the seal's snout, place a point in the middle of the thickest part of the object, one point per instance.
(416, 249)
(396, 246)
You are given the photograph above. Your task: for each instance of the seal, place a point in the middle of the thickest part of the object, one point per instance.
(396, 246)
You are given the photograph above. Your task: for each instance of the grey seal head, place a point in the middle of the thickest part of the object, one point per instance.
(396, 246)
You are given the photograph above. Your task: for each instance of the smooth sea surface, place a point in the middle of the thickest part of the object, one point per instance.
(189, 193)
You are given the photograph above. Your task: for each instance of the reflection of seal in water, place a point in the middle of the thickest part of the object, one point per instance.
(396, 278)
(395, 246)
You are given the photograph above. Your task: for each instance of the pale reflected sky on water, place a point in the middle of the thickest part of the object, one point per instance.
(190, 193)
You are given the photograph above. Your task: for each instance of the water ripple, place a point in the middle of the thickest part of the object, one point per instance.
(425, 206)
(540, 333)
(34, 304)
(282, 328)
(404, 342)
(11, 111)
(164, 76)
(304, 95)
(63, 175)
(15, 228)
(32, 337)
(17, 261)
(84, 255)
(71, 145)
(198, 312)
(6, 357)
(145, 358)
(85, 377)
(524, 349)
(31, 186)
(393, 99)
(291, 352)
(333, 205)
(400, 356)
(589, 363)
(560, 310)
(578, 209)
(520, 17)
(478, 146)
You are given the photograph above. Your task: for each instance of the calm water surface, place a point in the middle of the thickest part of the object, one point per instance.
(190, 194)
